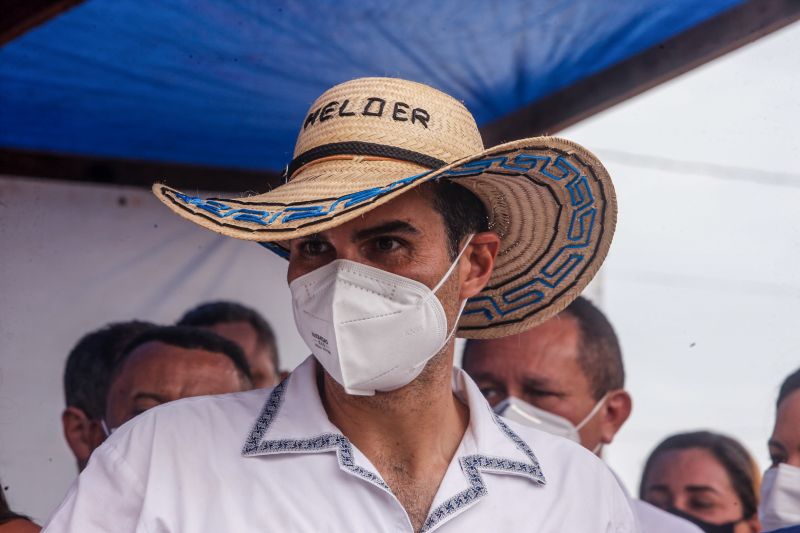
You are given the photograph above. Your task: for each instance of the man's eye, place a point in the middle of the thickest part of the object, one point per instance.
(314, 247)
(492, 394)
(488, 391)
(386, 244)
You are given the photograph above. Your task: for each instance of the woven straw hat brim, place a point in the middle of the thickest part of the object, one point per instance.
(550, 200)
(322, 196)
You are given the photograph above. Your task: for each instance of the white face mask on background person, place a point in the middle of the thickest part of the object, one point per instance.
(370, 329)
(529, 415)
(780, 497)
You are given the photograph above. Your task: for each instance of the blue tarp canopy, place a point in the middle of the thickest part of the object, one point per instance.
(227, 82)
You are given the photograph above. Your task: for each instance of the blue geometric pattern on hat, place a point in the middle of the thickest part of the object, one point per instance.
(567, 258)
(286, 214)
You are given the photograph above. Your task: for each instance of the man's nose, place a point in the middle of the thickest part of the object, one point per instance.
(350, 251)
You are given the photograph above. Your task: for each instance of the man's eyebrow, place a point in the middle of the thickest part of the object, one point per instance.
(659, 488)
(776, 444)
(536, 381)
(150, 396)
(394, 226)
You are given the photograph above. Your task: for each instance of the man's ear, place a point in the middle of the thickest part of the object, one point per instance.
(477, 268)
(82, 434)
(615, 412)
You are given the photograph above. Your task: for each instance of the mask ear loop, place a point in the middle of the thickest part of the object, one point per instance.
(441, 282)
(463, 304)
(453, 265)
(593, 412)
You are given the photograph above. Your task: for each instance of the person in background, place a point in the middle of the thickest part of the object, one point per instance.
(707, 478)
(169, 363)
(565, 377)
(86, 378)
(11, 522)
(780, 489)
(246, 327)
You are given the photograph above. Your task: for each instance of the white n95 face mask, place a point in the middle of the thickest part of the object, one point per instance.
(371, 330)
(780, 497)
(529, 415)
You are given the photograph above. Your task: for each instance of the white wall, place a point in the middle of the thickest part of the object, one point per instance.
(75, 257)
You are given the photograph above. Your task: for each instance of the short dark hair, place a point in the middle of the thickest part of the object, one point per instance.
(734, 458)
(190, 338)
(790, 384)
(89, 365)
(222, 312)
(462, 211)
(599, 353)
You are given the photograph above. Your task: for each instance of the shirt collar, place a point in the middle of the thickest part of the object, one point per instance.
(499, 446)
(293, 420)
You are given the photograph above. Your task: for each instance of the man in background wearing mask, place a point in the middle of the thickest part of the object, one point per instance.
(392, 216)
(564, 377)
(780, 487)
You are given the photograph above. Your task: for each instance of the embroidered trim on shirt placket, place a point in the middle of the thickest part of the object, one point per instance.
(471, 465)
(327, 441)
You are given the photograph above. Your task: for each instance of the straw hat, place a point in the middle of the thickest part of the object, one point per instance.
(366, 141)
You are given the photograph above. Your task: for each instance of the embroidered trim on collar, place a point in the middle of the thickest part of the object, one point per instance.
(471, 465)
(325, 442)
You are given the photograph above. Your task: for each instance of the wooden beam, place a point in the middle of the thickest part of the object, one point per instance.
(717, 36)
(137, 173)
(19, 16)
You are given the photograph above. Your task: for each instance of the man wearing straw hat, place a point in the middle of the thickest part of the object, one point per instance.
(400, 231)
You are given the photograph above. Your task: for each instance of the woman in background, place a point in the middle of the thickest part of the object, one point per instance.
(780, 492)
(707, 478)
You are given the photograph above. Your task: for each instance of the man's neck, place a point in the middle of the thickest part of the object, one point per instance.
(418, 426)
